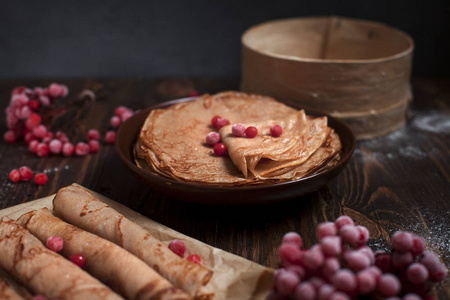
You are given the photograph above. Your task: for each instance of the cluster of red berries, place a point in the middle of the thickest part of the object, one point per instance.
(342, 267)
(30, 107)
(121, 114)
(29, 116)
(179, 248)
(238, 130)
(24, 173)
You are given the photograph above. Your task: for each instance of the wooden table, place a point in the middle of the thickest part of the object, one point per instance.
(400, 181)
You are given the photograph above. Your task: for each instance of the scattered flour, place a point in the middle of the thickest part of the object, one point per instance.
(436, 235)
(432, 121)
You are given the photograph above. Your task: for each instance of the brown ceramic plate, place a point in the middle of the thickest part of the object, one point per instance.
(217, 195)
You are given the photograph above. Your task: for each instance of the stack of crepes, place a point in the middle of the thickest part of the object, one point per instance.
(172, 141)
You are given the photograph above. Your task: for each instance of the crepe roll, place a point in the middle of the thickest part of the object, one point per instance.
(113, 265)
(9, 284)
(7, 292)
(43, 271)
(79, 207)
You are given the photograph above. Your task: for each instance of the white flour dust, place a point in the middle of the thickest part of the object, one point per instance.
(436, 235)
(433, 121)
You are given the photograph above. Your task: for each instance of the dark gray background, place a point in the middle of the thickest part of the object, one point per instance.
(110, 39)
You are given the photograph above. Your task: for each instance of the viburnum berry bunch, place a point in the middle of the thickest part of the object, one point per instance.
(32, 113)
(30, 108)
(341, 266)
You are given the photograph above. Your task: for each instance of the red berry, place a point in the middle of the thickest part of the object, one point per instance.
(304, 290)
(40, 179)
(55, 146)
(33, 104)
(32, 146)
(115, 121)
(402, 241)
(25, 112)
(222, 122)
(314, 258)
(276, 130)
(68, 149)
(94, 146)
(178, 247)
(238, 129)
(78, 259)
(289, 252)
(345, 280)
(45, 101)
(110, 136)
(40, 131)
(120, 110)
(286, 282)
(363, 235)
(126, 115)
(62, 137)
(81, 149)
(194, 93)
(14, 175)
(29, 137)
(383, 262)
(55, 90)
(389, 285)
(42, 150)
(251, 132)
(331, 245)
(64, 90)
(294, 238)
(25, 173)
(220, 149)
(418, 245)
(343, 220)
(349, 234)
(194, 258)
(215, 120)
(326, 229)
(212, 138)
(9, 136)
(93, 134)
(55, 243)
(417, 273)
(18, 90)
(366, 281)
(35, 119)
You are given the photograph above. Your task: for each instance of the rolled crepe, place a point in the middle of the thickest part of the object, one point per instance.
(43, 271)
(265, 156)
(9, 287)
(113, 265)
(79, 207)
(7, 292)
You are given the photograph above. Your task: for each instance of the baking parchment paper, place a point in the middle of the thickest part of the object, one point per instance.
(234, 277)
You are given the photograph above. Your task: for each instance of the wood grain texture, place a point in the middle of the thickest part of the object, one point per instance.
(397, 181)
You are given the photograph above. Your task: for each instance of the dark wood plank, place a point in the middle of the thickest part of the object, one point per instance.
(395, 182)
